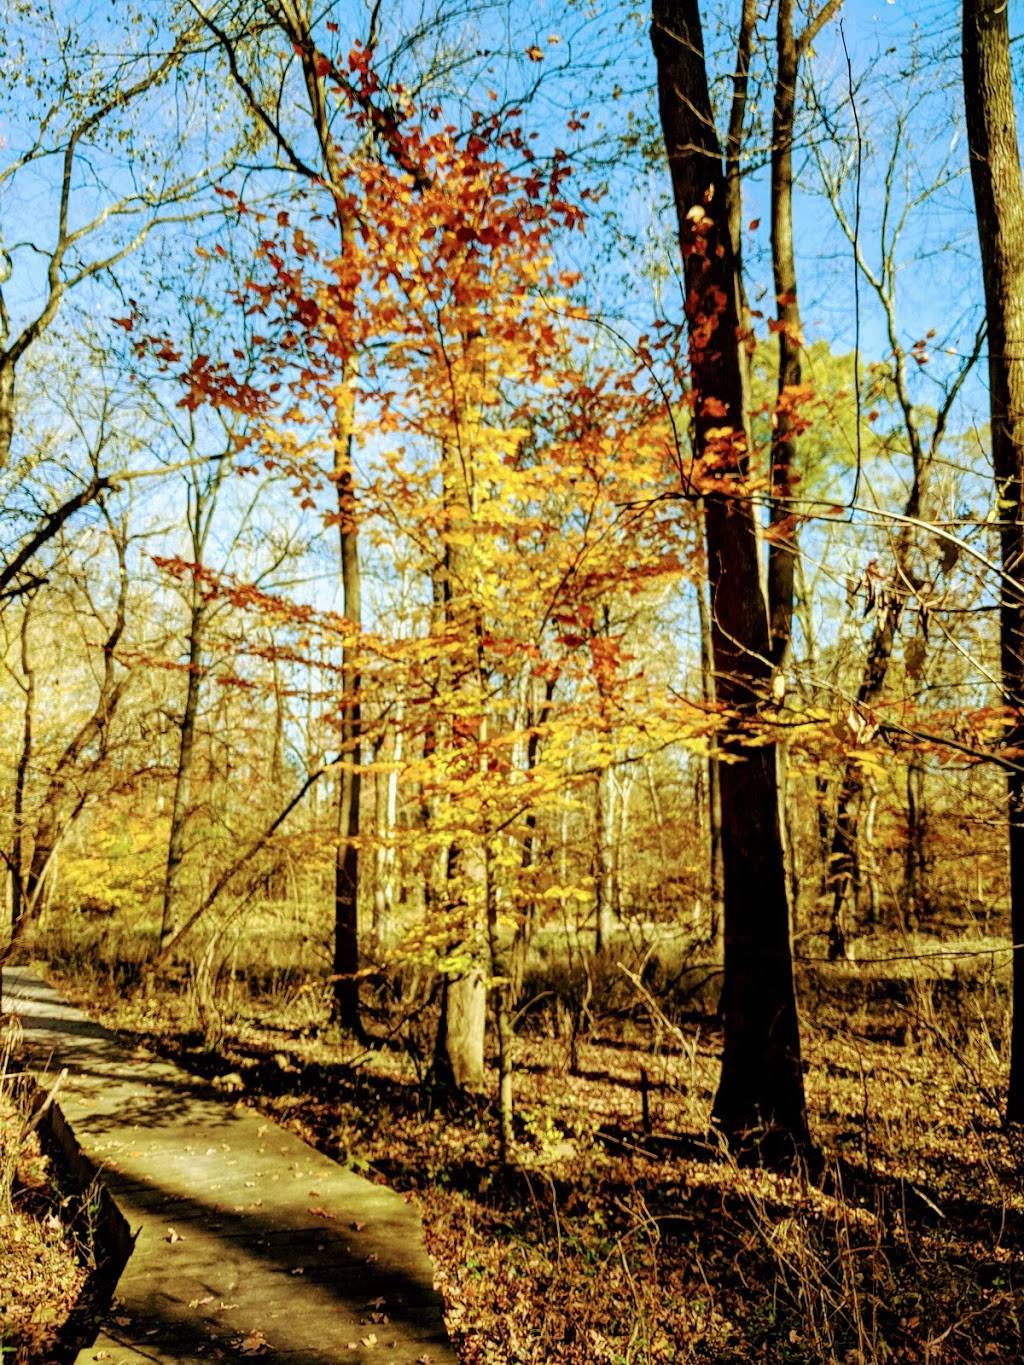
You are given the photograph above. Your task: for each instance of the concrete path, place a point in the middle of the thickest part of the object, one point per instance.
(248, 1243)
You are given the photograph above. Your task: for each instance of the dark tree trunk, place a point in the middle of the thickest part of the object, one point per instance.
(999, 204)
(346, 865)
(915, 866)
(502, 975)
(734, 140)
(781, 546)
(707, 677)
(296, 20)
(181, 802)
(21, 777)
(782, 551)
(760, 1100)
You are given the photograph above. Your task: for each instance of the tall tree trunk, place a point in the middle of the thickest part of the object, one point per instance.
(459, 1046)
(782, 552)
(346, 863)
(181, 802)
(734, 141)
(716, 877)
(999, 204)
(21, 776)
(502, 976)
(760, 1100)
(296, 20)
(782, 546)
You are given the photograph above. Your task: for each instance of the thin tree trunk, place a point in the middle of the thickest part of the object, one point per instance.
(21, 776)
(346, 865)
(782, 547)
(716, 875)
(734, 139)
(602, 867)
(501, 975)
(999, 204)
(760, 1100)
(782, 550)
(528, 923)
(295, 18)
(386, 802)
(182, 799)
(7, 401)
(915, 878)
(869, 855)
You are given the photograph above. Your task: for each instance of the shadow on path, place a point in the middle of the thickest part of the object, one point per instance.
(246, 1240)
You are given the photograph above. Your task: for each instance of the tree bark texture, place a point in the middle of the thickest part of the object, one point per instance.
(999, 204)
(760, 1099)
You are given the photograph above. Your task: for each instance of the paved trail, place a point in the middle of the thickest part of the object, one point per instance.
(248, 1243)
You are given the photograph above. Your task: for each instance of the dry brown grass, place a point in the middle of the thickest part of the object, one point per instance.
(613, 1244)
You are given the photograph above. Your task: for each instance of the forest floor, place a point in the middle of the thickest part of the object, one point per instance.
(43, 1263)
(624, 1234)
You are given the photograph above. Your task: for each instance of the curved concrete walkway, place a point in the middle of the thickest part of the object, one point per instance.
(248, 1244)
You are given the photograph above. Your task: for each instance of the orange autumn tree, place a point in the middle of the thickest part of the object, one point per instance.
(508, 462)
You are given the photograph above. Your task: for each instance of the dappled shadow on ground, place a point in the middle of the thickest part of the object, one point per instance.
(246, 1242)
(915, 1249)
(102, 1061)
(280, 1279)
